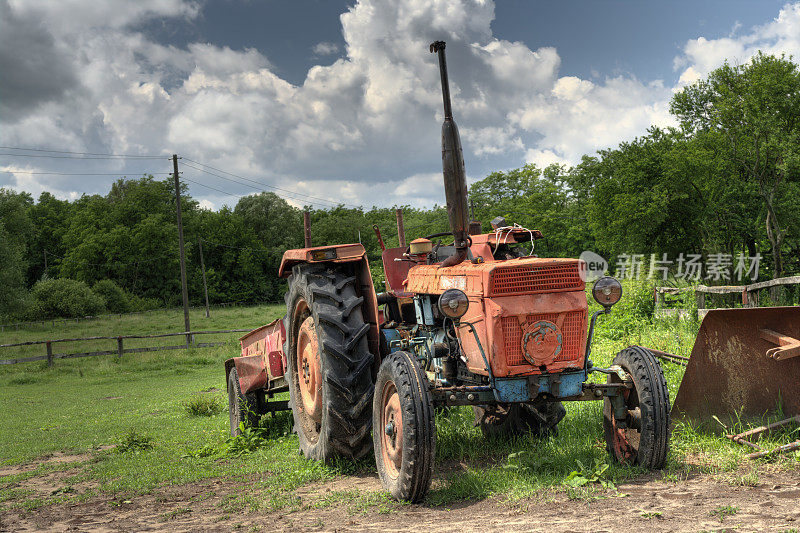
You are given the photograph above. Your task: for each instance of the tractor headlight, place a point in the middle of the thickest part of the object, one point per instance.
(453, 303)
(607, 291)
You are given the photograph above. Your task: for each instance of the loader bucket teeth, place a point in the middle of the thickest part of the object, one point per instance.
(742, 364)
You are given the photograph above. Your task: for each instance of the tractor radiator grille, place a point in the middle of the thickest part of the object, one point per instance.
(526, 279)
(572, 332)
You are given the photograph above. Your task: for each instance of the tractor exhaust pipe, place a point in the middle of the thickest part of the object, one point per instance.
(455, 180)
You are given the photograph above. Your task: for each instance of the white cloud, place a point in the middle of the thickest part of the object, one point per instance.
(325, 49)
(362, 130)
(781, 35)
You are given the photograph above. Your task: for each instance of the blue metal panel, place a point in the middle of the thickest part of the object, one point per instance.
(511, 390)
(392, 339)
(569, 384)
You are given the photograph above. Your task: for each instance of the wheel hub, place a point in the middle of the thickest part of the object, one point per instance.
(308, 365)
(392, 437)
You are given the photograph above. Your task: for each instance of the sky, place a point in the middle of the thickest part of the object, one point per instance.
(327, 102)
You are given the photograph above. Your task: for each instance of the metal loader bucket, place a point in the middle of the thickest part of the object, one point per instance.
(743, 361)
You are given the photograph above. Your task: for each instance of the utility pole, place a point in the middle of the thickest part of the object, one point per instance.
(307, 228)
(45, 262)
(184, 291)
(203, 267)
(401, 232)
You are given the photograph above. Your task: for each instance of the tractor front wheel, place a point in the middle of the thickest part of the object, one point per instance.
(643, 439)
(404, 432)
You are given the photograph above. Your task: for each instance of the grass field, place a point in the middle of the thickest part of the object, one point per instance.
(127, 421)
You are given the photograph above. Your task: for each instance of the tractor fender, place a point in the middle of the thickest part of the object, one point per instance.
(262, 359)
(340, 254)
(251, 370)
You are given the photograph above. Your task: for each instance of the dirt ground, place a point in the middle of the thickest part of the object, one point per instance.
(695, 504)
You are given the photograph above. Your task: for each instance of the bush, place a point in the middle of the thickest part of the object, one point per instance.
(63, 297)
(203, 405)
(116, 298)
(134, 441)
(640, 298)
(137, 303)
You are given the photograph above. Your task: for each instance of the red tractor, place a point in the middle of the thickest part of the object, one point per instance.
(475, 322)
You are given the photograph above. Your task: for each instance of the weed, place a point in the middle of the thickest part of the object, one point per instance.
(749, 479)
(63, 490)
(724, 511)
(647, 515)
(203, 405)
(590, 474)
(527, 462)
(581, 493)
(248, 440)
(134, 441)
(175, 513)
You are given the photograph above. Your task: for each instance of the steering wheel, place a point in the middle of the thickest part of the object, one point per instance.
(449, 234)
(443, 234)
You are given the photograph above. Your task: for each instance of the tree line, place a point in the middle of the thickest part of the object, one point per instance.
(727, 179)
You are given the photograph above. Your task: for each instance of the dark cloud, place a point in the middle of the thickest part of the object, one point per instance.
(33, 70)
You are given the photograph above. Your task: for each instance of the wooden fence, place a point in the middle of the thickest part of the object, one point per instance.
(750, 294)
(50, 357)
(53, 321)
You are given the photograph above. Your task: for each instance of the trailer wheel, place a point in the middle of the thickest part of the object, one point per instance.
(516, 419)
(645, 439)
(405, 433)
(241, 407)
(329, 364)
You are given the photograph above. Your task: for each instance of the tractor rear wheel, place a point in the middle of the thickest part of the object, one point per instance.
(241, 407)
(329, 363)
(404, 434)
(644, 440)
(516, 419)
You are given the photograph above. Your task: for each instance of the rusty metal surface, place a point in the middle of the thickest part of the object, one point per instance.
(252, 372)
(345, 253)
(266, 342)
(729, 370)
(455, 180)
(395, 272)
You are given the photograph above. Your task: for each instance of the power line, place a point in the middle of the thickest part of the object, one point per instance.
(332, 204)
(86, 173)
(115, 158)
(288, 191)
(226, 193)
(78, 153)
(295, 195)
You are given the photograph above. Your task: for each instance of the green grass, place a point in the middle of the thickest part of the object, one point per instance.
(724, 511)
(163, 321)
(130, 414)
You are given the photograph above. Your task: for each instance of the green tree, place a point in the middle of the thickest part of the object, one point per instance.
(16, 231)
(755, 108)
(536, 198)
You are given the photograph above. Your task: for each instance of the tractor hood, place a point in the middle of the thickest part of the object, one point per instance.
(526, 275)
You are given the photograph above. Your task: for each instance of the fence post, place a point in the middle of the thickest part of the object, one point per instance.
(119, 347)
(701, 299)
(49, 354)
